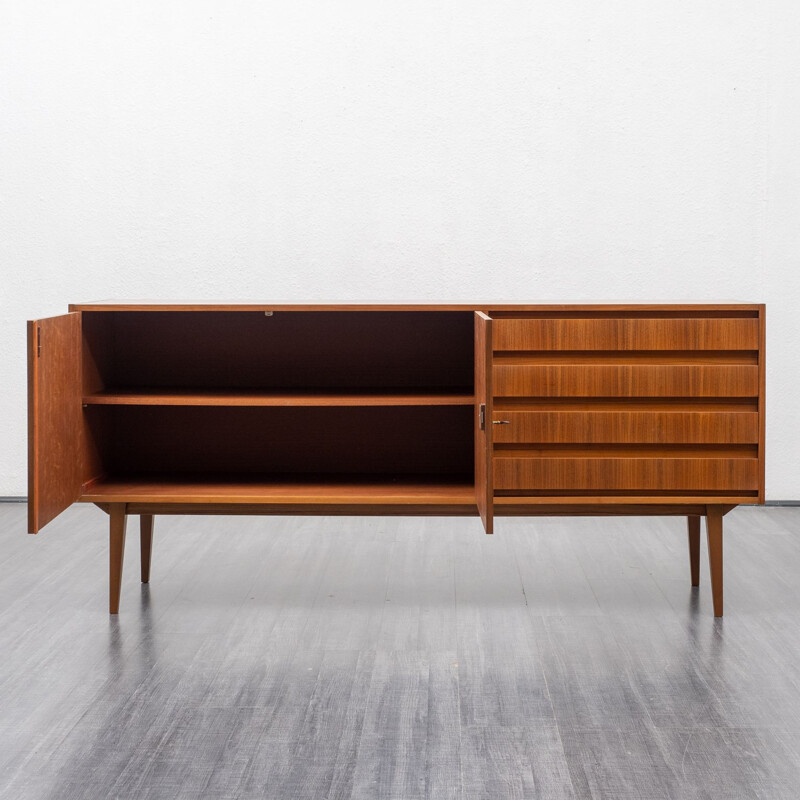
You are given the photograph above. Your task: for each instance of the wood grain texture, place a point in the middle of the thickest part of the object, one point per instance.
(714, 515)
(762, 398)
(510, 506)
(282, 490)
(626, 381)
(595, 408)
(728, 405)
(117, 524)
(653, 310)
(648, 357)
(626, 334)
(655, 427)
(323, 409)
(155, 305)
(302, 509)
(483, 433)
(627, 450)
(221, 397)
(656, 474)
(693, 526)
(601, 506)
(55, 425)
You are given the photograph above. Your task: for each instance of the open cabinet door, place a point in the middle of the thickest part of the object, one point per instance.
(54, 417)
(484, 490)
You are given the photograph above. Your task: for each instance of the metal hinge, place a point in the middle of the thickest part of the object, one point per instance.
(482, 416)
(38, 342)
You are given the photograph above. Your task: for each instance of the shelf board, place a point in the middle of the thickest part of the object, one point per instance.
(279, 397)
(445, 490)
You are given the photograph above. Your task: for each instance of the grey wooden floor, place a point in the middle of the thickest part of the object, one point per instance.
(399, 658)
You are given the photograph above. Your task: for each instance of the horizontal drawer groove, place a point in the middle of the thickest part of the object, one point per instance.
(621, 381)
(625, 334)
(534, 357)
(655, 474)
(652, 313)
(542, 450)
(618, 493)
(673, 404)
(609, 427)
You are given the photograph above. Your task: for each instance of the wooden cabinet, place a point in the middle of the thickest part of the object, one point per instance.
(147, 408)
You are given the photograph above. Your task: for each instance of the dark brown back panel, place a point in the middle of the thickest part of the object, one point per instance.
(435, 440)
(286, 350)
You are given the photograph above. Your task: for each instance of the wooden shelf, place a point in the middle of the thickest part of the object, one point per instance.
(360, 490)
(280, 397)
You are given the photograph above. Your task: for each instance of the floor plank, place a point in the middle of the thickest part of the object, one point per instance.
(403, 658)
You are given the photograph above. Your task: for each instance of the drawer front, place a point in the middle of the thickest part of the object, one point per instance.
(626, 427)
(628, 380)
(627, 474)
(625, 334)
(628, 406)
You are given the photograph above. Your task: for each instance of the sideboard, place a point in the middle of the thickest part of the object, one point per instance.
(494, 410)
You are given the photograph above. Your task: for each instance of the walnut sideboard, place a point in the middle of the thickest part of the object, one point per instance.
(491, 410)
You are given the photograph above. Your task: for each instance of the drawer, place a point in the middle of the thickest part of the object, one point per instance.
(625, 334)
(626, 474)
(643, 427)
(589, 380)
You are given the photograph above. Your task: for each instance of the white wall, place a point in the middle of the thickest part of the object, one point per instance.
(451, 150)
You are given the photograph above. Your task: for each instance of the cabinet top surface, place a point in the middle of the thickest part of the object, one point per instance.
(244, 305)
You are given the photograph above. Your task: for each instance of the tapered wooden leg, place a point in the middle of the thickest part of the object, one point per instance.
(146, 543)
(714, 530)
(694, 548)
(119, 519)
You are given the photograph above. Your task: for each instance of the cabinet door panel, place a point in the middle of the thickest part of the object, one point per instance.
(54, 417)
(484, 491)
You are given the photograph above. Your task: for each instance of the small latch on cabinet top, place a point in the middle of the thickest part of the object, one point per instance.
(482, 416)
(501, 422)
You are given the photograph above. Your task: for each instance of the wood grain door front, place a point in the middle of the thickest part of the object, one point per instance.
(628, 406)
(54, 417)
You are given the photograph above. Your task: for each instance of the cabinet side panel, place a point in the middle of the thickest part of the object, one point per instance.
(762, 401)
(33, 489)
(54, 417)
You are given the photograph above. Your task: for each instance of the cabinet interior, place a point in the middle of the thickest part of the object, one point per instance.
(326, 397)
